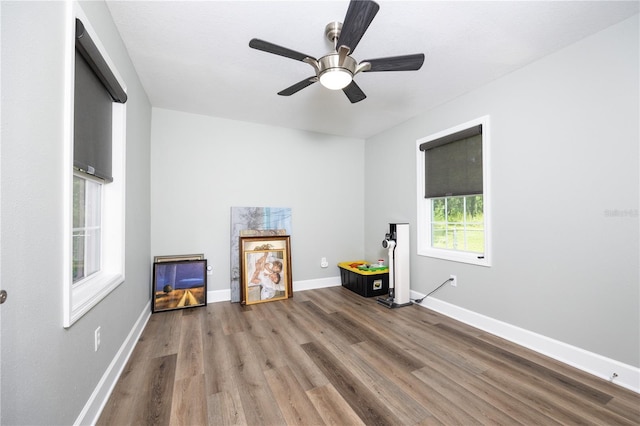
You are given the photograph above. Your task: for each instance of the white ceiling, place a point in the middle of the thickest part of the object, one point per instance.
(194, 56)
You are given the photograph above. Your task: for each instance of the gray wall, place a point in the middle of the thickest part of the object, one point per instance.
(564, 156)
(48, 372)
(202, 166)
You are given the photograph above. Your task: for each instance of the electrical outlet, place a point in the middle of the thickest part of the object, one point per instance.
(454, 280)
(96, 339)
(324, 263)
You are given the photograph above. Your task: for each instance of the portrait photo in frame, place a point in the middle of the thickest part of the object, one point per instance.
(179, 284)
(265, 269)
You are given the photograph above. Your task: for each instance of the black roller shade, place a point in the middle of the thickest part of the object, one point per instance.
(96, 88)
(453, 164)
(91, 54)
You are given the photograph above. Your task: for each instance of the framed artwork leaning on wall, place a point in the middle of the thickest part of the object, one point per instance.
(265, 269)
(176, 257)
(179, 284)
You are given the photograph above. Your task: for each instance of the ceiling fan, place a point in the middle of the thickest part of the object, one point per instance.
(336, 69)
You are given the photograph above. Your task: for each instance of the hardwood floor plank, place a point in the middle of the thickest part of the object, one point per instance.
(565, 391)
(304, 369)
(189, 403)
(324, 301)
(122, 401)
(158, 392)
(333, 409)
(626, 408)
(231, 318)
(352, 390)
(225, 408)
(424, 341)
(540, 372)
(433, 340)
(623, 402)
(387, 348)
(294, 403)
(162, 334)
(217, 364)
(143, 394)
(257, 399)
(392, 371)
(419, 315)
(438, 405)
(415, 336)
(190, 353)
(385, 387)
(542, 398)
(263, 334)
(492, 395)
(295, 321)
(459, 396)
(345, 331)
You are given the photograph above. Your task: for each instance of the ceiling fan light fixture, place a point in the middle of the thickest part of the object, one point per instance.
(334, 73)
(336, 78)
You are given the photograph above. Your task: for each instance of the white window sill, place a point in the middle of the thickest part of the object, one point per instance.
(456, 256)
(89, 292)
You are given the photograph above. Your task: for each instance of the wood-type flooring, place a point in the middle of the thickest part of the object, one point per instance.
(331, 357)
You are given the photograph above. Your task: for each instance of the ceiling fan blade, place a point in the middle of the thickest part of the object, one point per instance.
(265, 46)
(298, 86)
(354, 92)
(396, 63)
(359, 15)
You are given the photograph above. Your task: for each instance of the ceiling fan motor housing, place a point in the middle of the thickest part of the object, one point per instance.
(330, 64)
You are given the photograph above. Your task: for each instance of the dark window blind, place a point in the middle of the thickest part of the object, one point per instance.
(453, 164)
(89, 51)
(96, 88)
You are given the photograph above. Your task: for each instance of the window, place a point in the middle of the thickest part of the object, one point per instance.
(94, 157)
(453, 194)
(87, 228)
(457, 223)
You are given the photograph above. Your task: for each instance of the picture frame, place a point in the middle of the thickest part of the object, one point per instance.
(179, 284)
(265, 269)
(253, 221)
(177, 257)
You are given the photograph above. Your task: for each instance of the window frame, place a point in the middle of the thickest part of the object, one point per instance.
(81, 296)
(424, 205)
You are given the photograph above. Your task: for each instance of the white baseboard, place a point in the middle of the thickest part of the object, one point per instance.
(98, 399)
(218, 296)
(225, 295)
(317, 283)
(592, 363)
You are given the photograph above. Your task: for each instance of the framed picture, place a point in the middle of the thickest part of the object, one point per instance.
(179, 284)
(265, 269)
(157, 259)
(254, 222)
